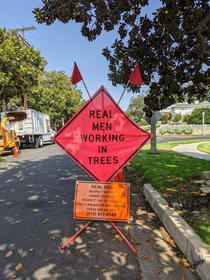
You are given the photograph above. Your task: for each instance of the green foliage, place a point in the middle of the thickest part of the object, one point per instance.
(186, 118)
(135, 107)
(179, 129)
(170, 129)
(165, 117)
(177, 118)
(188, 130)
(176, 129)
(197, 117)
(20, 66)
(171, 46)
(55, 95)
(163, 129)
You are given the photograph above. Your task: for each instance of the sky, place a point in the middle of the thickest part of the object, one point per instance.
(63, 44)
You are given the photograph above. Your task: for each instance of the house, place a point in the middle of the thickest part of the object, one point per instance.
(185, 108)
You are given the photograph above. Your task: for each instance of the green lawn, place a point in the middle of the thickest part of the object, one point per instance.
(205, 148)
(173, 175)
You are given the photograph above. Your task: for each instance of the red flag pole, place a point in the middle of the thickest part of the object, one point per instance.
(86, 88)
(124, 91)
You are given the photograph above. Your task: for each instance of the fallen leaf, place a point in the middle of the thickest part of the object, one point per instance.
(45, 221)
(64, 194)
(161, 250)
(31, 249)
(147, 239)
(203, 194)
(142, 221)
(54, 208)
(8, 254)
(182, 278)
(145, 257)
(147, 245)
(63, 201)
(52, 237)
(137, 204)
(145, 199)
(167, 196)
(14, 276)
(143, 231)
(18, 267)
(114, 232)
(138, 243)
(167, 239)
(173, 274)
(103, 270)
(77, 252)
(125, 255)
(154, 247)
(157, 271)
(167, 207)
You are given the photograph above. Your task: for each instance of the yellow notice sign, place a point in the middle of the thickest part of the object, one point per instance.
(102, 201)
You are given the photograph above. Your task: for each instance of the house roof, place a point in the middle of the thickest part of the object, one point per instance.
(204, 103)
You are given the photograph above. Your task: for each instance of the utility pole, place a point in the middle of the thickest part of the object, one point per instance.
(22, 29)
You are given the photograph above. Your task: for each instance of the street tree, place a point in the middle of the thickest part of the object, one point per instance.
(55, 95)
(172, 47)
(135, 107)
(20, 66)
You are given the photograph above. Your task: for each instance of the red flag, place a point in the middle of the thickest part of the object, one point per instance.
(76, 76)
(136, 77)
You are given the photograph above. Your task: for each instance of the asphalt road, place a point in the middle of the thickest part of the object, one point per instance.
(39, 185)
(36, 206)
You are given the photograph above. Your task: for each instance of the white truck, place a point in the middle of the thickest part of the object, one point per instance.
(31, 127)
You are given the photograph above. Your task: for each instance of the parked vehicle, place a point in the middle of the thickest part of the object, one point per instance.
(8, 138)
(31, 127)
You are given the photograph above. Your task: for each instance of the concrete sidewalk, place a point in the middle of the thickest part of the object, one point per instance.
(191, 150)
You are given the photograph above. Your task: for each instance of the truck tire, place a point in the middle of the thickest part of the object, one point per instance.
(40, 142)
(35, 144)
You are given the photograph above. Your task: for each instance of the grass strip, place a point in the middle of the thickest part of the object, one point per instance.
(205, 148)
(173, 175)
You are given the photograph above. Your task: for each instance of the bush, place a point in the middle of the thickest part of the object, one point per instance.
(197, 117)
(188, 130)
(186, 118)
(142, 121)
(179, 129)
(169, 116)
(177, 118)
(170, 129)
(163, 129)
(165, 117)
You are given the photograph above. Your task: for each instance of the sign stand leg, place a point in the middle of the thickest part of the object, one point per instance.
(124, 238)
(73, 237)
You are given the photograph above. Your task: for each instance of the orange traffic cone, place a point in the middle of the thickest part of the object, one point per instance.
(119, 177)
(16, 151)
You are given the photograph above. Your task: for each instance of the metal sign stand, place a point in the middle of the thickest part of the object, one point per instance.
(85, 226)
(118, 178)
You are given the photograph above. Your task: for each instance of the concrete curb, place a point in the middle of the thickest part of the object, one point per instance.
(193, 248)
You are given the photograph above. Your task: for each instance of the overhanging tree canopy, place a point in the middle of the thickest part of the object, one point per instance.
(19, 65)
(172, 47)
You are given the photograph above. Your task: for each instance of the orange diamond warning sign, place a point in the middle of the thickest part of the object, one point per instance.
(101, 138)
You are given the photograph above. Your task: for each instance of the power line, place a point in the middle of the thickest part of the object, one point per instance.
(10, 14)
(63, 43)
(19, 13)
(61, 50)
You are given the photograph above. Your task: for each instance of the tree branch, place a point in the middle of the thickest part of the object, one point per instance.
(1, 90)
